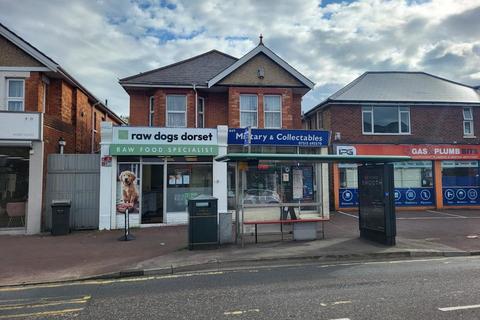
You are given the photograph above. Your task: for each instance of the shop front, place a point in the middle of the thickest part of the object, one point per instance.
(21, 172)
(437, 176)
(153, 172)
(273, 182)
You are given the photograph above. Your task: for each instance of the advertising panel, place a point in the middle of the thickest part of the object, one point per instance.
(128, 186)
(280, 137)
(404, 197)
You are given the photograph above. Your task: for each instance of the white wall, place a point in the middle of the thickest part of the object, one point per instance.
(35, 187)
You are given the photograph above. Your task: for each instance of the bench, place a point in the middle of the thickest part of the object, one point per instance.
(287, 221)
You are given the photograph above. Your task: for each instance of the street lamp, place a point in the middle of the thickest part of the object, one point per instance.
(61, 143)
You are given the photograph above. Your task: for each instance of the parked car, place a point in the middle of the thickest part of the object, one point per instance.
(260, 196)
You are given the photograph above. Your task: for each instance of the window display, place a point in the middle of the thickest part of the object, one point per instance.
(461, 182)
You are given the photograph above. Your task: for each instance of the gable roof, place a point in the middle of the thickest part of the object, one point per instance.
(52, 66)
(261, 48)
(196, 70)
(403, 87)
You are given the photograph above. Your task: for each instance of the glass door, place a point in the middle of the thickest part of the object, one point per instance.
(152, 193)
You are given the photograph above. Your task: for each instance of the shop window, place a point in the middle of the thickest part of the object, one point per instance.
(14, 172)
(151, 109)
(15, 94)
(186, 181)
(176, 111)
(248, 110)
(386, 120)
(201, 113)
(348, 176)
(461, 182)
(468, 121)
(273, 111)
(413, 174)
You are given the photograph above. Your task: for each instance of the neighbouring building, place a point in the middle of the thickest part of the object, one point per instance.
(179, 117)
(42, 109)
(433, 120)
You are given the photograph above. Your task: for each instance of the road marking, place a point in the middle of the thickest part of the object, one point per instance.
(341, 319)
(44, 303)
(239, 312)
(474, 306)
(341, 302)
(448, 214)
(348, 214)
(105, 282)
(39, 314)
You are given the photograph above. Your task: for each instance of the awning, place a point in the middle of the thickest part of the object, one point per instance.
(235, 157)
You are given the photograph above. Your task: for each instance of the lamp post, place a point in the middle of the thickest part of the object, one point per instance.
(61, 143)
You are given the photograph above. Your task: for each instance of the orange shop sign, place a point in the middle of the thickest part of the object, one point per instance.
(416, 151)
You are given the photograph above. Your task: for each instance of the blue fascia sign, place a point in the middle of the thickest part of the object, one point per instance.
(280, 137)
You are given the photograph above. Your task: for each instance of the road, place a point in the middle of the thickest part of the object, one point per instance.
(447, 288)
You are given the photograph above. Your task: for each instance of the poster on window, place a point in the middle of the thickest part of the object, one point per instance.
(128, 186)
(297, 183)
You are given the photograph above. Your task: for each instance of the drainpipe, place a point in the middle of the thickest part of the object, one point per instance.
(196, 105)
(93, 126)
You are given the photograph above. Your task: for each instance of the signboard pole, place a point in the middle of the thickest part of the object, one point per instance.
(127, 236)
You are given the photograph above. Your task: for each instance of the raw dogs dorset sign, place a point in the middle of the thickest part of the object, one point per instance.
(163, 141)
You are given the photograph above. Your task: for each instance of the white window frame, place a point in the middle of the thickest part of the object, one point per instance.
(151, 108)
(249, 111)
(167, 112)
(468, 119)
(369, 109)
(15, 99)
(201, 112)
(265, 110)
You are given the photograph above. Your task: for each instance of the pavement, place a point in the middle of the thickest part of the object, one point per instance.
(162, 250)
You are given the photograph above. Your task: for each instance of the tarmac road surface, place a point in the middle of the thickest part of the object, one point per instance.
(442, 288)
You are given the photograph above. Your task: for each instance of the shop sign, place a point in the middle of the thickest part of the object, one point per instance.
(279, 137)
(458, 196)
(163, 141)
(417, 152)
(20, 125)
(404, 197)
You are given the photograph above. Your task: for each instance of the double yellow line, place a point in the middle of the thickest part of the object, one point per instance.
(42, 303)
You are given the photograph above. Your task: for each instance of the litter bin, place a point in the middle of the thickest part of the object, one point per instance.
(202, 222)
(60, 217)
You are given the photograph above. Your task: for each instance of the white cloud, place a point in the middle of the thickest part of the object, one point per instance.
(101, 41)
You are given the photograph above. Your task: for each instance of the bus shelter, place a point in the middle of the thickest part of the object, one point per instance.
(285, 190)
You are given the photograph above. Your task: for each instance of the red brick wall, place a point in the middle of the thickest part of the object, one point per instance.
(216, 108)
(429, 124)
(33, 92)
(221, 108)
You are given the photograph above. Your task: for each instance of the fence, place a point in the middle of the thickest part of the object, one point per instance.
(75, 177)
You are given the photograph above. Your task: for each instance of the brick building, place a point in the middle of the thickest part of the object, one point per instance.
(431, 119)
(41, 107)
(259, 90)
(211, 96)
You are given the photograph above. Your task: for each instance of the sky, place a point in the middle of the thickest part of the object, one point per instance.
(331, 42)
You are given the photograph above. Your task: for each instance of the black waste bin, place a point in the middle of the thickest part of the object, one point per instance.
(202, 222)
(60, 217)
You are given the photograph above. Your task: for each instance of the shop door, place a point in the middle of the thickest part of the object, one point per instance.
(152, 193)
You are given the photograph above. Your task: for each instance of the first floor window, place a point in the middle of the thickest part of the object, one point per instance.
(151, 113)
(386, 120)
(201, 113)
(15, 94)
(273, 111)
(248, 110)
(176, 111)
(468, 121)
